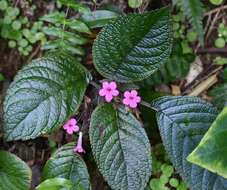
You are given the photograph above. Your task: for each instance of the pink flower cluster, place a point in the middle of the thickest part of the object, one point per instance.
(70, 127)
(109, 91)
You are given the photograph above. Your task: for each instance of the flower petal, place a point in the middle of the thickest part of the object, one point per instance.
(105, 85)
(113, 85)
(102, 92)
(133, 104)
(127, 94)
(134, 93)
(126, 101)
(72, 121)
(108, 97)
(115, 92)
(75, 128)
(138, 99)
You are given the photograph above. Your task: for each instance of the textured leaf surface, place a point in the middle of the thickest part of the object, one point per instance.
(120, 147)
(55, 184)
(69, 165)
(175, 68)
(219, 95)
(43, 95)
(183, 121)
(133, 47)
(14, 173)
(211, 152)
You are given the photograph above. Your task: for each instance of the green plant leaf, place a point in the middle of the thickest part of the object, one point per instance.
(14, 173)
(135, 3)
(43, 95)
(75, 6)
(78, 26)
(183, 121)
(211, 153)
(193, 10)
(99, 18)
(219, 95)
(55, 184)
(175, 68)
(133, 52)
(120, 147)
(66, 164)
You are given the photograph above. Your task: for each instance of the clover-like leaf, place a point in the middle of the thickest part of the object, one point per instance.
(120, 147)
(14, 173)
(65, 163)
(182, 122)
(211, 152)
(132, 47)
(43, 95)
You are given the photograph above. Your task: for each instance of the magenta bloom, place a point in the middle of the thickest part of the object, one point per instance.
(79, 147)
(71, 127)
(131, 99)
(109, 90)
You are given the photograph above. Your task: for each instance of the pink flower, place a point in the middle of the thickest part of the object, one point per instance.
(71, 127)
(79, 147)
(109, 90)
(131, 99)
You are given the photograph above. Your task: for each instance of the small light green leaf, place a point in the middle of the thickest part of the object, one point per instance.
(211, 151)
(60, 33)
(98, 18)
(43, 96)
(55, 184)
(120, 147)
(135, 3)
(1, 77)
(182, 122)
(78, 26)
(66, 164)
(54, 18)
(14, 173)
(75, 5)
(134, 46)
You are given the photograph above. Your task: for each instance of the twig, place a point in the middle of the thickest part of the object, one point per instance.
(212, 24)
(204, 85)
(215, 10)
(212, 50)
(34, 53)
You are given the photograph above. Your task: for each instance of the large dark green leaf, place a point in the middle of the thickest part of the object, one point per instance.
(14, 173)
(133, 47)
(211, 153)
(69, 165)
(219, 95)
(120, 147)
(43, 95)
(183, 121)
